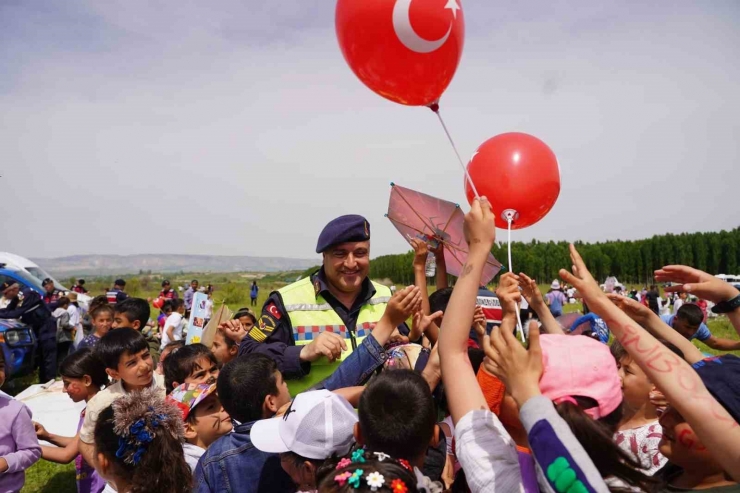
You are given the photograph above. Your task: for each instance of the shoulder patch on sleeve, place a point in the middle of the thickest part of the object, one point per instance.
(263, 329)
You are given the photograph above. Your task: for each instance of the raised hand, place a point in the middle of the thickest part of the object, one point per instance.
(402, 304)
(696, 282)
(327, 344)
(530, 291)
(420, 253)
(508, 293)
(479, 227)
(421, 323)
(634, 310)
(479, 322)
(234, 330)
(583, 281)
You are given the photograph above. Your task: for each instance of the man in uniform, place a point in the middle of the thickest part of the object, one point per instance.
(32, 311)
(116, 294)
(308, 326)
(51, 294)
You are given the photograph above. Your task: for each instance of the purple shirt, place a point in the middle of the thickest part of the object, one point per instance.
(18, 443)
(88, 480)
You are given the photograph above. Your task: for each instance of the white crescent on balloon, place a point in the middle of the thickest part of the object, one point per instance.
(406, 34)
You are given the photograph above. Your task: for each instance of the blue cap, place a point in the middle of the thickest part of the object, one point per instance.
(342, 230)
(721, 377)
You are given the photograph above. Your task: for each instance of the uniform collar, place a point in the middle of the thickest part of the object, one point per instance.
(321, 287)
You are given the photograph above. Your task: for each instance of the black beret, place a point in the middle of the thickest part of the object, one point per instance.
(342, 230)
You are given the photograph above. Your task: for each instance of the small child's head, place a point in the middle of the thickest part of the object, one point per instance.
(224, 348)
(177, 305)
(363, 472)
(132, 313)
(398, 416)
(680, 444)
(125, 354)
(194, 363)
(687, 320)
(636, 385)
(251, 387)
(580, 377)
(438, 301)
(246, 317)
(63, 302)
(102, 318)
(138, 444)
(83, 374)
(318, 425)
(203, 415)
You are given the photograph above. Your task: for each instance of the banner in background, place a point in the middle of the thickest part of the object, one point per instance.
(197, 321)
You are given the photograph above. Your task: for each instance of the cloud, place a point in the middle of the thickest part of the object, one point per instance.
(237, 128)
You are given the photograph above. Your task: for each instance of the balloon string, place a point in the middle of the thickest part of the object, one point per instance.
(435, 108)
(518, 315)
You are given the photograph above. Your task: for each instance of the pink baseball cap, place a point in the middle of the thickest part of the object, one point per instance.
(580, 366)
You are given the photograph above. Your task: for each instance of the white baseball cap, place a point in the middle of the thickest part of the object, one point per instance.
(317, 425)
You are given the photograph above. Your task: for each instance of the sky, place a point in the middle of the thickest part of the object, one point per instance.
(237, 128)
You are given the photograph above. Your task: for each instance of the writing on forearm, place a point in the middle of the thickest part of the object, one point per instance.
(466, 270)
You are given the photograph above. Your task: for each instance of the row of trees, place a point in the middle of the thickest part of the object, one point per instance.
(629, 261)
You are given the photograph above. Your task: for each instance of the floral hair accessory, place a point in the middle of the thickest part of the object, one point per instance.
(381, 456)
(398, 486)
(405, 464)
(138, 418)
(342, 478)
(358, 455)
(355, 478)
(344, 463)
(375, 480)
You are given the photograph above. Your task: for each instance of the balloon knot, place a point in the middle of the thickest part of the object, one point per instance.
(434, 107)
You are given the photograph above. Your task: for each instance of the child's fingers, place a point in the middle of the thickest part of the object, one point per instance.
(534, 338)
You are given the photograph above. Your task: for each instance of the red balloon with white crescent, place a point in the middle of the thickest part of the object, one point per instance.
(516, 172)
(405, 50)
(158, 303)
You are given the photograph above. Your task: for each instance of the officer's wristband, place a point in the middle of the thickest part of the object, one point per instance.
(727, 306)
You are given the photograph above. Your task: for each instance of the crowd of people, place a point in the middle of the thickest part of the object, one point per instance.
(329, 389)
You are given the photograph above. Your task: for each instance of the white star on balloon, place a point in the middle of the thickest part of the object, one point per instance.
(452, 5)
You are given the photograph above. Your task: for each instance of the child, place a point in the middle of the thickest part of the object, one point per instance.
(204, 418)
(102, 320)
(224, 348)
(125, 355)
(698, 469)
(193, 363)
(365, 472)
(246, 317)
(138, 445)
(19, 447)
(250, 388)
(166, 352)
(639, 431)
(83, 375)
(174, 324)
(397, 417)
(134, 313)
(65, 328)
(165, 312)
(318, 425)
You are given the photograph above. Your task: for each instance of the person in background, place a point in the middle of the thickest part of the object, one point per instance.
(51, 294)
(32, 311)
(79, 288)
(75, 317)
(653, 299)
(134, 313)
(65, 327)
(679, 302)
(209, 305)
(19, 447)
(189, 294)
(165, 312)
(688, 321)
(101, 317)
(246, 318)
(83, 375)
(253, 292)
(174, 324)
(117, 294)
(555, 299)
(167, 292)
(702, 304)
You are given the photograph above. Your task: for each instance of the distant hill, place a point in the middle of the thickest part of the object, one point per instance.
(132, 264)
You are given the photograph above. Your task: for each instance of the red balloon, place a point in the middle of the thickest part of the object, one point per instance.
(517, 172)
(405, 50)
(158, 303)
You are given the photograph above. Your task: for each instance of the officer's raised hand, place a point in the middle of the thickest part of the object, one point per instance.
(326, 344)
(402, 305)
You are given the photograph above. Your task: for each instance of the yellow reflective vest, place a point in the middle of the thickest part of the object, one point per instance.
(310, 314)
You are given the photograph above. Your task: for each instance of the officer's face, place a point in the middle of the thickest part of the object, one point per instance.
(49, 287)
(347, 265)
(11, 292)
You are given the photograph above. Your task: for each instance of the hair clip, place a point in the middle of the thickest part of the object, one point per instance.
(405, 464)
(342, 478)
(381, 456)
(358, 456)
(344, 463)
(398, 486)
(375, 480)
(354, 479)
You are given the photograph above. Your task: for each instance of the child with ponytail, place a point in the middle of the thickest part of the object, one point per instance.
(83, 375)
(138, 445)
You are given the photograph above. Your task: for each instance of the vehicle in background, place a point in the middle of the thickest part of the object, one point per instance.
(16, 262)
(734, 280)
(26, 280)
(18, 344)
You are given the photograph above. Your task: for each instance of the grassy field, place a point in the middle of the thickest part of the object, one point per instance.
(232, 289)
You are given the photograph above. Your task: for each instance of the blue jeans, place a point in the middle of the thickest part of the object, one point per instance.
(357, 368)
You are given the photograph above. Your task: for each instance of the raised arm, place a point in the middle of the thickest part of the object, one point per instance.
(672, 375)
(533, 295)
(461, 385)
(439, 259)
(420, 275)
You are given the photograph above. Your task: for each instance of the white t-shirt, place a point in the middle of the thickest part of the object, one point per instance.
(175, 320)
(209, 308)
(677, 304)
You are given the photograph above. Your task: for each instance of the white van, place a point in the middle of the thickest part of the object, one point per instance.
(32, 269)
